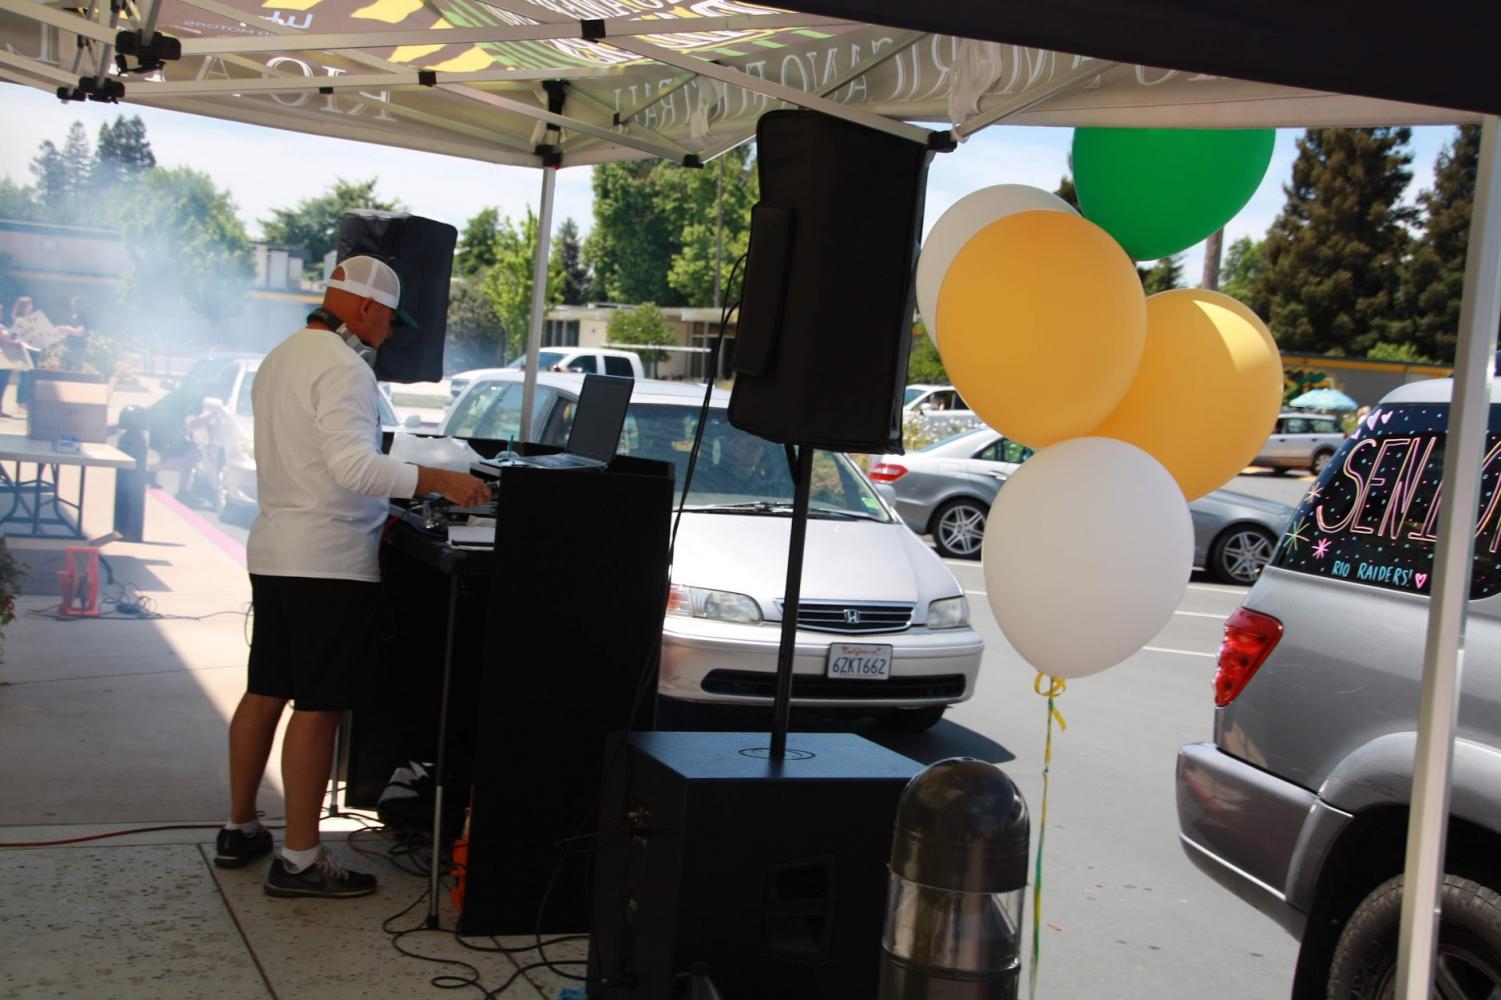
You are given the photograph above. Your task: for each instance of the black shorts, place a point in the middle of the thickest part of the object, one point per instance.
(313, 639)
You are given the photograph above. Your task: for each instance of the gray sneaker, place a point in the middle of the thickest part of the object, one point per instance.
(323, 879)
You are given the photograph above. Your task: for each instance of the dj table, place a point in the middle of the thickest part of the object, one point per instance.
(511, 665)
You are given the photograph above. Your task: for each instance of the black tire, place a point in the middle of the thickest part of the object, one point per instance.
(1468, 965)
(1320, 459)
(1239, 553)
(913, 720)
(958, 528)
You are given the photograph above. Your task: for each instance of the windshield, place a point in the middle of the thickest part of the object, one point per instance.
(736, 468)
(545, 360)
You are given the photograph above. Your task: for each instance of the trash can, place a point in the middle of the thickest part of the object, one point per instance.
(130, 484)
(958, 879)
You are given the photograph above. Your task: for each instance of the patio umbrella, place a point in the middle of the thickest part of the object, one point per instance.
(1325, 399)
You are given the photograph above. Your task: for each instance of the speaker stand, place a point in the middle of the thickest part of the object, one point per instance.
(781, 712)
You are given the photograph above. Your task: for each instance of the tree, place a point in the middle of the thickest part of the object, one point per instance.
(705, 233)
(476, 251)
(1066, 191)
(16, 200)
(643, 324)
(1433, 274)
(1241, 269)
(52, 181)
(632, 244)
(475, 335)
(1397, 352)
(1330, 280)
(1163, 276)
(122, 154)
(509, 282)
(573, 273)
(313, 225)
(923, 364)
(188, 249)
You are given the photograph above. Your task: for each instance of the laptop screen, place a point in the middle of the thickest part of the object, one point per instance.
(600, 416)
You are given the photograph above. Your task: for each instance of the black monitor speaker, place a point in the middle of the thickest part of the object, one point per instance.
(421, 252)
(825, 322)
(767, 876)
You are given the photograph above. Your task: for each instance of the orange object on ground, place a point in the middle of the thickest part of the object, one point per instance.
(460, 865)
(79, 581)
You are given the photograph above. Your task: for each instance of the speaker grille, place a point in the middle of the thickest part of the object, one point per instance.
(749, 684)
(871, 618)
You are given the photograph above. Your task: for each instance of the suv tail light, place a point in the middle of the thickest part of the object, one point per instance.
(887, 472)
(1249, 639)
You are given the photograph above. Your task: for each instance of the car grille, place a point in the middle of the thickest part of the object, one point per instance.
(853, 619)
(750, 684)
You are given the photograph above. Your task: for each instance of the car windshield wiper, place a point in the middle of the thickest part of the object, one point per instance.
(842, 514)
(752, 507)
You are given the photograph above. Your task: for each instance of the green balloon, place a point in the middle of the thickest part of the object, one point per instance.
(1159, 191)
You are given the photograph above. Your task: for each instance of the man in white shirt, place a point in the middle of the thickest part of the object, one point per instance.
(313, 556)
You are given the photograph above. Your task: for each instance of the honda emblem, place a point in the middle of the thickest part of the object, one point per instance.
(851, 616)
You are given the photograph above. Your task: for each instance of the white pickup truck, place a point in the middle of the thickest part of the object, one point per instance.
(596, 360)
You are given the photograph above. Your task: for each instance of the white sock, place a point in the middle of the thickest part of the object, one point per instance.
(297, 861)
(253, 826)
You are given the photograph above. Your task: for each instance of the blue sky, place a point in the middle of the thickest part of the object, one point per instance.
(265, 168)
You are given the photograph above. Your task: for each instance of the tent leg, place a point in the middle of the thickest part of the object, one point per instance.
(539, 299)
(1469, 417)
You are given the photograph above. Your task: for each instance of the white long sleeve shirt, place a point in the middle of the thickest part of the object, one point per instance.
(320, 475)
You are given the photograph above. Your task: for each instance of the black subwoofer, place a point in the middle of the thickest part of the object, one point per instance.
(769, 875)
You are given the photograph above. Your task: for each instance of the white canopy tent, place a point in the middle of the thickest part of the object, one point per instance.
(557, 83)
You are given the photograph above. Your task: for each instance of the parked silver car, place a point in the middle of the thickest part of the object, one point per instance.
(1301, 441)
(946, 489)
(1299, 803)
(872, 592)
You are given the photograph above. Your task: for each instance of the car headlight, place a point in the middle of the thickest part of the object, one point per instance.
(949, 612)
(719, 605)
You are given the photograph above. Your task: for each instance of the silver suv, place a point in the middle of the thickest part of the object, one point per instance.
(1300, 803)
(1301, 441)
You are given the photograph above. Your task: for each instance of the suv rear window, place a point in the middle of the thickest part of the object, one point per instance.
(1372, 516)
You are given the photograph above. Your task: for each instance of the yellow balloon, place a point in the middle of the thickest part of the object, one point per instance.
(1044, 323)
(1207, 392)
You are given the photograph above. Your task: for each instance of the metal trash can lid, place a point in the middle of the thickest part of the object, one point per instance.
(961, 824)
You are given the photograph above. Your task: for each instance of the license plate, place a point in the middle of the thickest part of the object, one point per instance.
(851, 662)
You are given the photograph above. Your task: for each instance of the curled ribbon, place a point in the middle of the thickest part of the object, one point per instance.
(1055, 687)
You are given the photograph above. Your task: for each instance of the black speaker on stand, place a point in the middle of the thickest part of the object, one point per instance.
(421, 253)
(751, 860)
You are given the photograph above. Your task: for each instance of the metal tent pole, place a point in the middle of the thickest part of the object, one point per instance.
(1469, 415)
(539, 299)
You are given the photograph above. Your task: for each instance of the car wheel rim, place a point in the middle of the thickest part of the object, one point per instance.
(1319, 461)
(962, 529)
(1462, 975)
(1244, 554)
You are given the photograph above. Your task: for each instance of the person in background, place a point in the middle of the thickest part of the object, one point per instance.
(75, 331)
(22, 309)
(14, 357)
(313, 557)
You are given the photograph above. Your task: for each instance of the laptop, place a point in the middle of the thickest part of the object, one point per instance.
(596, 426)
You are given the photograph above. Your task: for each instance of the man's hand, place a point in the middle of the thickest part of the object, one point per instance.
(460, 487)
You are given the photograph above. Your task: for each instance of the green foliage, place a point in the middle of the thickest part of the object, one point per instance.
(17, 201)
(1164, 275)
(1433, 274)
(1331, 260)
(654, 235)
(475, 335)
(508, 283)
(568, 259)
(313, 224)
(1067, 192)
(186, 245)
(476, 250)
(643, 324)
(1397, 352)
(121, 155)
(923, 363)
(11, 572)
(1241, 269)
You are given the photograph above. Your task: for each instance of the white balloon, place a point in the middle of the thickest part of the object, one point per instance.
(1087, 553)
(954, 228)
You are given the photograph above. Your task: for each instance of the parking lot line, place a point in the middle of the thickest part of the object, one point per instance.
(1180, 652)
(1200, 614)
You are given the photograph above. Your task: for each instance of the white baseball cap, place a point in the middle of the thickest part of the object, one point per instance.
(372, 278)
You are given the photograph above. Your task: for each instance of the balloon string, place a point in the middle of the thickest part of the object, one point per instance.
(1055, 688)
